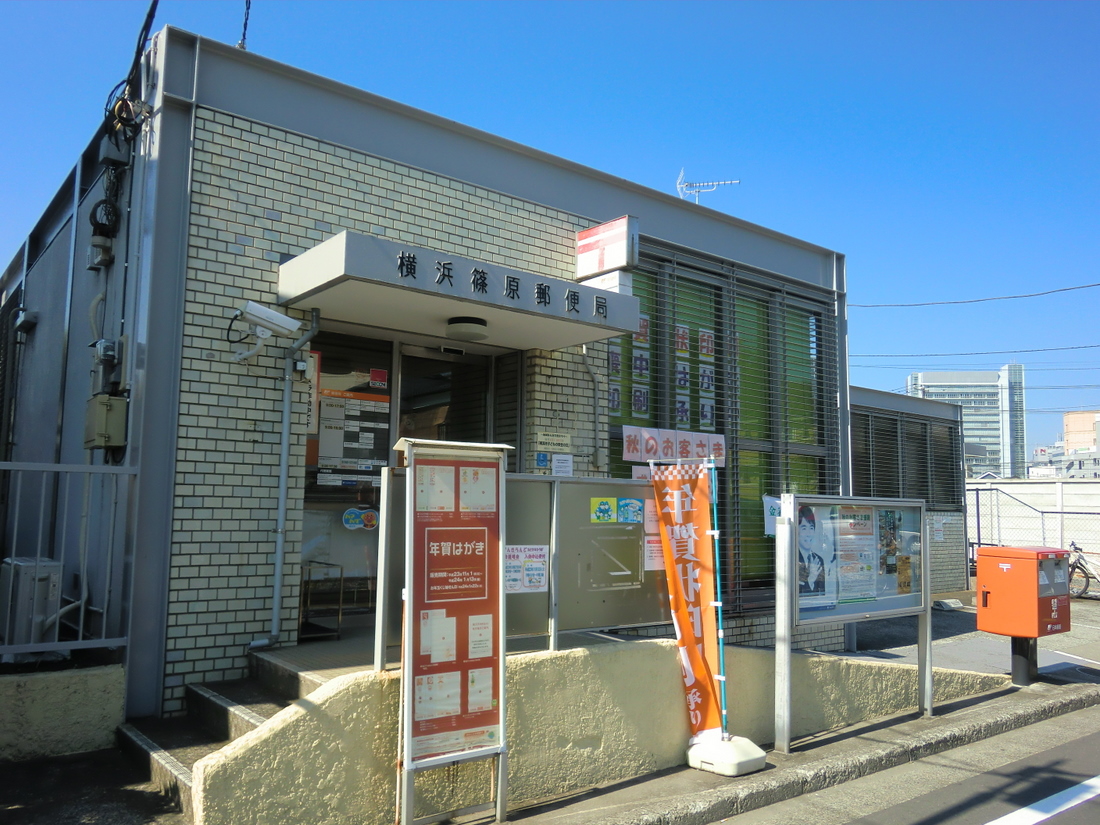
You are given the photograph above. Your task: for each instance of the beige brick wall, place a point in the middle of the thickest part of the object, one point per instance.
(259, 195)
(560, 400)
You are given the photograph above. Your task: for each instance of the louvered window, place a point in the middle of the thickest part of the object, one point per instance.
(726, 350)
(895, 455)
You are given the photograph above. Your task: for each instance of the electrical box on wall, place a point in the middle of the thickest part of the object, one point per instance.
(105, 422)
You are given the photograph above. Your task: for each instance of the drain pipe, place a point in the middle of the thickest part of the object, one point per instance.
(597, 450)
(284, 477)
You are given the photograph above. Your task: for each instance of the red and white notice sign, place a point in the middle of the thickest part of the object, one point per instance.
(607, 247)
(454, 660)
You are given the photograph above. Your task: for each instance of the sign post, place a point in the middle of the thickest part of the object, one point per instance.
(453, 642)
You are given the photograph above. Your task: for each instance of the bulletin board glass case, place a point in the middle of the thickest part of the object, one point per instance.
(855, 559)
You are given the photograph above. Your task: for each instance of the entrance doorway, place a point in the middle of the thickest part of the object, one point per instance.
(444, 397)
(366, 394)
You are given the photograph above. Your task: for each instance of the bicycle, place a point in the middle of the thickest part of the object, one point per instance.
(1081, 572)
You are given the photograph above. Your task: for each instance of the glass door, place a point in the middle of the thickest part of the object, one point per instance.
(444, 397)
(357, 413)
(347, 445)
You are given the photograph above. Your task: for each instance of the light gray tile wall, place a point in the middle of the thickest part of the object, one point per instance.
(259, 195)
(948, 554)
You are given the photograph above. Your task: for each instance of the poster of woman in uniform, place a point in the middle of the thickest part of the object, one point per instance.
(817, 559)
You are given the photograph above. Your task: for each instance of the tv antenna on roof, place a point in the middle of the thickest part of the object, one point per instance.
(687, 188)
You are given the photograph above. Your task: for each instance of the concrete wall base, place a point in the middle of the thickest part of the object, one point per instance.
(60, 712)
(576, 719)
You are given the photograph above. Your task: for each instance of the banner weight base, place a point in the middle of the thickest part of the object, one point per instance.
(729, 757)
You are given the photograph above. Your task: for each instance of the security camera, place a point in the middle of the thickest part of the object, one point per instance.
(267, 319)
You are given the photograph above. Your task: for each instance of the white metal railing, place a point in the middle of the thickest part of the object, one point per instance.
(64, 557)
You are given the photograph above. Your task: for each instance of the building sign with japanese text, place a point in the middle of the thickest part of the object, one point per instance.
(365, 259)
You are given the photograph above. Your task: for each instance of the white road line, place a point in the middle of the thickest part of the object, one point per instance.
(1073, 656)
(1046, 808)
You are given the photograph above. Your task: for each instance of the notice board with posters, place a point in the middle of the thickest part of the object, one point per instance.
(453, 686)
(840, 560)
(592, 543)
(856, 559)
(454, 605)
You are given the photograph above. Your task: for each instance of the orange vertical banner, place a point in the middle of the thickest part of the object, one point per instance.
(682, 493)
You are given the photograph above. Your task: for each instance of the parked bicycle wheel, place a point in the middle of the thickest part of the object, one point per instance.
(1079, 580)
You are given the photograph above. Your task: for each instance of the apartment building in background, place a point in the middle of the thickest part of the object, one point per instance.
(992, 415)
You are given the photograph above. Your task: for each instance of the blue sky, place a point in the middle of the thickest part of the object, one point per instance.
(949, 150)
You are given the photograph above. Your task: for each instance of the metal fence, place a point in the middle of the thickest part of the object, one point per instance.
(64, 558)
(995, 516)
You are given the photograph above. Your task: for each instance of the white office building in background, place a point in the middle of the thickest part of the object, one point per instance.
(993, 415)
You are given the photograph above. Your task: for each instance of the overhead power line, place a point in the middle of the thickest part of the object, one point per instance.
(1031, 368)
(977, 300)
(958, 354)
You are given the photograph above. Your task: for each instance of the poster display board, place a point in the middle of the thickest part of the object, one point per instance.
(453, 641)
(842, 560)
(856, 559)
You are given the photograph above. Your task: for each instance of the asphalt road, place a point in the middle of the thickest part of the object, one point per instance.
(958, 644)
(972, 785)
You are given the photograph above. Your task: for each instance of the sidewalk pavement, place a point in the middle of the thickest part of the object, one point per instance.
(103, 787)
(1069, 680)
(682, 796)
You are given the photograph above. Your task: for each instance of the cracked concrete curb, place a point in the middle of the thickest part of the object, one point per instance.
(804, 773)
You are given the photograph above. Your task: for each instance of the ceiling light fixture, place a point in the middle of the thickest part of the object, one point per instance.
(463, 328)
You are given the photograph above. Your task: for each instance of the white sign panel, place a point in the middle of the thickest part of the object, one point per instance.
(607, 247)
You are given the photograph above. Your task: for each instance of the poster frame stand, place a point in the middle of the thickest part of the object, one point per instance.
(415, 451)
(789, 616)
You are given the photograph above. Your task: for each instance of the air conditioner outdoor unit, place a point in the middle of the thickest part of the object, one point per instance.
(30, 593)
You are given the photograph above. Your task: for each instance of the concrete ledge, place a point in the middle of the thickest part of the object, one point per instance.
(60, 712)
(576, 718)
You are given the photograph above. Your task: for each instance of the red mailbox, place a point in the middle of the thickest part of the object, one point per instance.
(1023, 591)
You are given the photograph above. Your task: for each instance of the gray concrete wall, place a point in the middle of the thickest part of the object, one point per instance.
(1035, 513)
(60, 712)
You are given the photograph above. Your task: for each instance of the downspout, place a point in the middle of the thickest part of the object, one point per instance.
(284, 478)
(597, 451)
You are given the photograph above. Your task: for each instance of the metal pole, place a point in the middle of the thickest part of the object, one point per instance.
(1025, 661)
(978, 514)
(783, 620)
(924, 622)
(381, 591)
(555, 507)
(717, 552)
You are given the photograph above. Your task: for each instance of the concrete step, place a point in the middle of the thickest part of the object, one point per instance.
(217, 713)
(280, 678)
(232, 709)
(169, 748)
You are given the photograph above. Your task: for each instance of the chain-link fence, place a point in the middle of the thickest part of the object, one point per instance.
(1044, 515)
